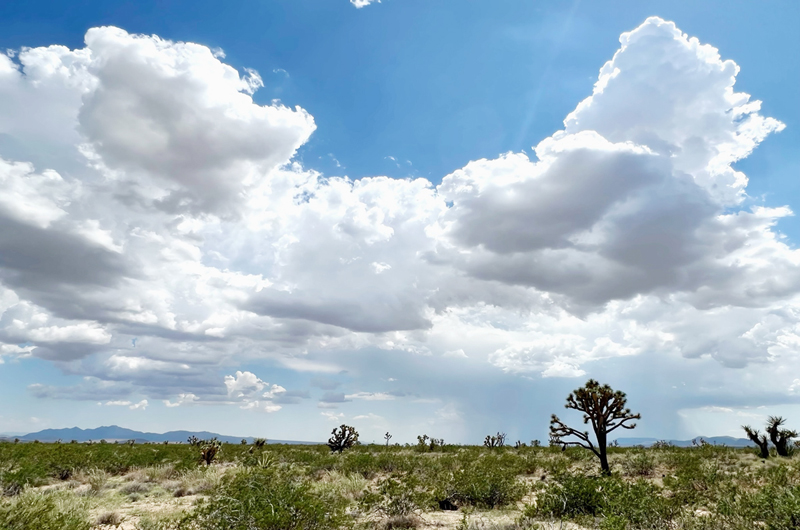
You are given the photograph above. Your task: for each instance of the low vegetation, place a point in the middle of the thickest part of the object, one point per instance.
(157, 487)
(208, 485)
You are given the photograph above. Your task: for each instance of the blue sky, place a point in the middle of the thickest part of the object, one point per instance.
(168, 254)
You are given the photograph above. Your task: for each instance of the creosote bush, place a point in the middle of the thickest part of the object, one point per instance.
(639, 504)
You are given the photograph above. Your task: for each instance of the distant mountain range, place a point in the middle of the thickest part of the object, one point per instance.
(714, 440)
(114, 433)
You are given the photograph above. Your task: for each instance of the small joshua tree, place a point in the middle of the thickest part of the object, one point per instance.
(495, 441)
(604, 408)
(779, 437)
(759, 439)
(209, 450)
(342, 438)
(259, 442)
(193, 440)
(387, 437)
(426, 443)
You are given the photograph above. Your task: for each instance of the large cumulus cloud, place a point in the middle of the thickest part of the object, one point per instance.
(170, 237)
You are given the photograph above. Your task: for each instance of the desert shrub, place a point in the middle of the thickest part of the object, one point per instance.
(32, 510)
(639, 504)
(97, 479)
(485, 483)
(554, 465)
(151, 521)
(571, 496)
(698, 481)
(108, 519)
(397, 522)
(337, 484)
(389, 462)
(362, 463)
(135, 487)
(266, 500)
(772, 507)
(641, 463)
(397, 497)
(620, 504)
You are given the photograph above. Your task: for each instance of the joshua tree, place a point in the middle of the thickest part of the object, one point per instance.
(259, 442)
(779, 437)
(387, 437)
(209, 450)
(495, 441)
(759, 439)
(605, 408)
(343, 438)
(426, 443)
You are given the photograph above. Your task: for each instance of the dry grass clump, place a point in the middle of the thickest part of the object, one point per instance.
(348, 486)
(109, 519)
(195, 482)
(135, 487)
(33, 509)
(400, 522)
(154, 474)
(95, 479)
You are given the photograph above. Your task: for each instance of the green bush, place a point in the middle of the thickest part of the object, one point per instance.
(773, 507)
(572, 496)
(641, 463)
(485, 483)
(620, 504)
(398, 496)
(266, 499)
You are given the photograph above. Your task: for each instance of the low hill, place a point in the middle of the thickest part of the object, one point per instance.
(113, 433)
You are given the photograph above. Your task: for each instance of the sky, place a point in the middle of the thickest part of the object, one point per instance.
(271, 218)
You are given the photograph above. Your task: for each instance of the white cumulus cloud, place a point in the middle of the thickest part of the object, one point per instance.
(189, 240)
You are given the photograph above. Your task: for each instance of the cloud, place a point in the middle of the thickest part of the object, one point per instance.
(246, 388)
(139, 406)
(370, 416)
(186, 398)
(90, 389)
(363, 3)
(243, 384)
(334, 397)
(187, 224)
(370, 396)
(333, 415)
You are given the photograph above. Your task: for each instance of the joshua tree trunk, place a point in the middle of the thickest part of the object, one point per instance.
(759, 439)
(602, 450)
(604, 462)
